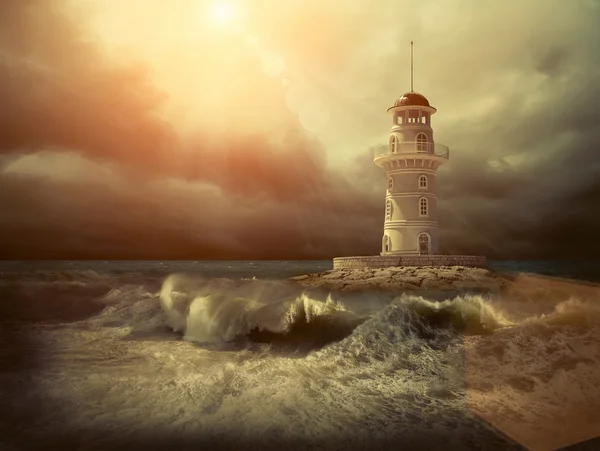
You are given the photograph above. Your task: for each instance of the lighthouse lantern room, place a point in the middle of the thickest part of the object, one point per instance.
(411, 159)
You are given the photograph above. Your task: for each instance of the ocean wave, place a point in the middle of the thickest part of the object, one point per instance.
(403, 364)
(415, 334)
(573, 312)
(284, 315)
(53, 277)
(66, 295)
(222, 310)
(472, 314)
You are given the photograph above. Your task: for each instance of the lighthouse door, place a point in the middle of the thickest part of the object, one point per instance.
(423, 244)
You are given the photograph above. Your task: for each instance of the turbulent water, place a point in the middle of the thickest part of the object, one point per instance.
(177, 355)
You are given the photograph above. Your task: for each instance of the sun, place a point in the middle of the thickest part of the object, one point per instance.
(222, 13)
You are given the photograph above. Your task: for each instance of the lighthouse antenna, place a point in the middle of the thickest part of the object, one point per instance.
(412, 70)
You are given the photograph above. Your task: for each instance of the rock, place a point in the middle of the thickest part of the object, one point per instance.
(335, 286)
(431, 282)
(352, 288)
(405, 279)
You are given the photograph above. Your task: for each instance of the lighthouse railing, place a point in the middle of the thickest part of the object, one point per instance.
(411, 147)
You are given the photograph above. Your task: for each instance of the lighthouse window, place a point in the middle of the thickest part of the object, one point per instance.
(422, 143)
(423, 207)
(390, 183)
(423, 182)
(423, 243)
(387, 243)
(388, 210)
(393, 144)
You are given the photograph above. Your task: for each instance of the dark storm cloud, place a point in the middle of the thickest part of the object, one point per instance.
(58, 90)
(552, 61)
(520, 107)
(525, 181)
(46, 219)
(69, 96)
(254, 166)
(522, 181)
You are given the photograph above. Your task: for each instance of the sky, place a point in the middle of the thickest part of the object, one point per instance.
(201, 129)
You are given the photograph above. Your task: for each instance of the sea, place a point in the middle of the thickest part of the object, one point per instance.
(228, 355)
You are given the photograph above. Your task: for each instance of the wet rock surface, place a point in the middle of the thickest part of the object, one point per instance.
(454, 278)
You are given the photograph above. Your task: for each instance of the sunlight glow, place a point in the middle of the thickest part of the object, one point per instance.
(222, 13)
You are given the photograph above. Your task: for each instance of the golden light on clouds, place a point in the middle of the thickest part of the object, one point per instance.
(273, 64)
(243, 93)
(210, 57)
(222, 12)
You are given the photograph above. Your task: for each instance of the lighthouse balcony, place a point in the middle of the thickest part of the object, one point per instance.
(416, 149)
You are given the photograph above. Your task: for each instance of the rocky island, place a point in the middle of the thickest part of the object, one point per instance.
(453, 279)
(404, 278)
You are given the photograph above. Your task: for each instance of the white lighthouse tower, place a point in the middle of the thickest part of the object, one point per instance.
(411, 160)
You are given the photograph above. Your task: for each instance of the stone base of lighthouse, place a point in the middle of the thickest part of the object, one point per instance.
(378, 261)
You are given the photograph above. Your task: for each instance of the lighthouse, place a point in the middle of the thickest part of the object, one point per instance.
(411, 160)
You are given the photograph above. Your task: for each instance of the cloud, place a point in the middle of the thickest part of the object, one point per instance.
(58, 90)
(518, 102)
(72, 96)
(47, 218)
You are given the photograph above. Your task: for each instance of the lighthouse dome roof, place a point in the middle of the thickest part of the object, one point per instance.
(411, 99)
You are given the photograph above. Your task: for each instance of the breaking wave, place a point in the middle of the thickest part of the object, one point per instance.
(214, 311)
(222, 310)
(572, 313)
(373, 366)
(471, 314)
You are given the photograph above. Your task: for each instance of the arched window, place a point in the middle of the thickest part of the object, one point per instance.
(423, 182)
(387, 243)
(390, 183)
(388, 210)
(393, 143)
(424, 243)
(422, 145)
(423, 207)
